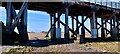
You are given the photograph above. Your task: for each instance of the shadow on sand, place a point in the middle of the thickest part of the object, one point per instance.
(101, 40)
(43, 43)
(48, 42)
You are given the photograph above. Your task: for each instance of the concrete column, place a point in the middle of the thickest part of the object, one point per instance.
(94, 29)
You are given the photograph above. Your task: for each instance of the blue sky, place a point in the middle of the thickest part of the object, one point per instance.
(39, 21)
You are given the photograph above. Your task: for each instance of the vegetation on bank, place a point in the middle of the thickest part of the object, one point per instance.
(109, 46)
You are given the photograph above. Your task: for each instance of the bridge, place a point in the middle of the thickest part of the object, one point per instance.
(108, 12)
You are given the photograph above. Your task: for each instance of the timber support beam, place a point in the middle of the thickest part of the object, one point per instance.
(17, 20)
(66, 22)
(82, 36)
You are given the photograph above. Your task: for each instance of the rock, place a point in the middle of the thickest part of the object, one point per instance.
(105, 51)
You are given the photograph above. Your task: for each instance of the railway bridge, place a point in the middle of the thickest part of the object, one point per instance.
(108, 12)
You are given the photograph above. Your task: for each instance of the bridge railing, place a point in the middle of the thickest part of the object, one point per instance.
(108, 3)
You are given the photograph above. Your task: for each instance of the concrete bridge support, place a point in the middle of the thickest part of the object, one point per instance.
(94, 28)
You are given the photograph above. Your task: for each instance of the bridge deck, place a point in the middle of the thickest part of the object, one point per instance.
(83, 8)
(69, 9)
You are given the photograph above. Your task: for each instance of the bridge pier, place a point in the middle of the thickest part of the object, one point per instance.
(114, 29)
(94, 28)
(55, 32)
(82, 36)
(66, 22)
(24, 24)
(20, 20)
(17, 20)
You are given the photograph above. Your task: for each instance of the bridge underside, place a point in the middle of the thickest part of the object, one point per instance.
(86, 10)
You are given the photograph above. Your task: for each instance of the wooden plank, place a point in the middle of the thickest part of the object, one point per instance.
(111, 27)
(88, 16)
(24, 23)
(106, 27)
(88, 30)
(78, 22)
(50, 25)
(82, 36)
(69, 28)
(14, 15)
(53, 24)
(114, 20)
(81, 25)
(18, 16)
(102, 29)
(54, 27)
(72, 26)
(77, 25)
(58, 20)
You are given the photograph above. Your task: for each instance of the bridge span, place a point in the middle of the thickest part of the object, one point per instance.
(109, 13)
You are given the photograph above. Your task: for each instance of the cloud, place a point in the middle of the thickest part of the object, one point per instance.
(38, 12)
(35, 12)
